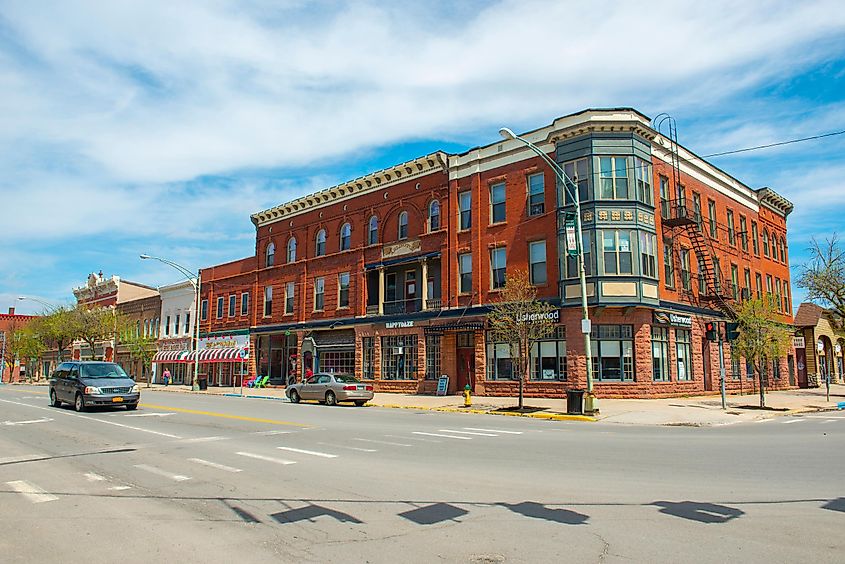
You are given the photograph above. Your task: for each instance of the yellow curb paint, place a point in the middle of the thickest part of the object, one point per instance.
(225, 415)
(29, 392)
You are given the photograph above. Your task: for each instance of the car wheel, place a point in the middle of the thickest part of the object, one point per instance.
(294, 396)
(331, 399)
(360, 403)
(79, 403)
(54, 400)
(131, 406)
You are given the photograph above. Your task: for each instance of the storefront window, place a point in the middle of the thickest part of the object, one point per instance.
(613, 353)
(399, 357)
(548, 357)
(736, 370)
(337, 362)
(432, 357)
(683, 352)
(368, 358)
(660, 353)
(499, 363)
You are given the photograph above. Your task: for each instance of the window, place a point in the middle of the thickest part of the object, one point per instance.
(536, 194)
(613, 178)
(759, 284)
(337, 362)
(765, 243)
(345, 237)
(321, 243)
(743, 233)
(233, 299)
(187, 323)
(434, 215)
(368, 358)
(774, 246)
(736, 371)
(244, 303)
(755, 241)
(167, 326)
(702, 279)
(660, 353)
(749, 370)
(778, 293)
(372, 231)
(268, 301)
(746, 291)
(683, 353)
(220, 307)
(769, 285)
(776, 369)
(292, 250)
(497, 203)
(399, 357)
(176, 325)
(319, 293)
(270, 255)
(548, 357)
(731, 229)
(696, 209)
(499, 364)
(343, 290)
(665, 204)
(711, 211)
(498, 265)
(617, 252)
(686, 283)
(648, 254)
(717, 273)
(786, 301)
(589, 253)
(783, 250)
(289, 295)
(432, 357)
(578, 180)
(642, 176)
(465, 208)
(734, 281)
(613, 352)
(668, 265)
(403, 225)
(537, 262)
(465, 272)
(203, 311)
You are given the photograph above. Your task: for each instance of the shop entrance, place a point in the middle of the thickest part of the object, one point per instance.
(801, 362)
(705, 356)
(465, 356)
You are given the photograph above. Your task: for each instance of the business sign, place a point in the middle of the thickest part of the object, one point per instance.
(442, 385)
(398, 324)
(224, 342)
(553, 316)
(571, 239)
(798, 342)
(674, 319)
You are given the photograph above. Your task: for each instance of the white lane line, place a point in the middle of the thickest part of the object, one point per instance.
(311, 452)
(214, 465)
(266, 458)
(494, 431)
(44, 420)
(359, 449)
(149, 414)
(203, 439)
(439, 435)
(30, 491)
(160, 472)
(468, 433)
(762, 420)
(53, 410)
(792, 421)
(381, 442)
(91, 477)
(273, 432)
(829, 421)
(420, 439)
(119, 488)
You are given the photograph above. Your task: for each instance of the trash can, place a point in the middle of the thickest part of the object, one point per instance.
(575, 402)
(203, 384)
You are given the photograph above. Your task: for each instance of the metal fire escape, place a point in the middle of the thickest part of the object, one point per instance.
(678, 216)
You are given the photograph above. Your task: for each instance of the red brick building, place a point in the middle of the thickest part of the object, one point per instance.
(390, 276)
(12, 369)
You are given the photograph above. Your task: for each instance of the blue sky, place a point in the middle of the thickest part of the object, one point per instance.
(158, 127)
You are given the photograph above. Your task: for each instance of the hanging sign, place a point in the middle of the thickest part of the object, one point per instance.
(571, 239)
(798, 342)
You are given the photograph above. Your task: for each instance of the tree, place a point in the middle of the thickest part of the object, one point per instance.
(58, 328)
(823, 276)
(95, 324)
(142, 348)
(761, 336)
(520, 320)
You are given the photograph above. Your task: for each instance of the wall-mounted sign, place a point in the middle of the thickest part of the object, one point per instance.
(677, 320)
(398, 324)
(798, 342)
(225, 342)
(553, 316)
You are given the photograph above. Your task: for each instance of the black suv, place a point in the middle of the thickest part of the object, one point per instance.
(86, 384)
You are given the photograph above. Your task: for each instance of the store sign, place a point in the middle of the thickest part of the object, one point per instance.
(571, 239)
(398, 324)
(553, 316)
(174, 345)
(225, 342)
(798, 342)
(674, 319)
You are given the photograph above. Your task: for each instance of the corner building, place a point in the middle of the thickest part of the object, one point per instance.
(391, 275)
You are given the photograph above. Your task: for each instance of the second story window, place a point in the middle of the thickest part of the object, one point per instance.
(755, 239)
(743, 233)
(537, 260)
(176, 325)
(403, 225)
(321, 243)
(167, 325)
(343, 290)
(187, 323)
(289, 295)
(765, 243)
(268, 301)
(465, 273)
(233, 300)
(292, 249)
(616, 245)
(498, 266)
(731, 229)
(372, 231)
(319, 293)
(642, 174)
(758, 284)
(614, 178)
(220, 307)
(783, 250)
(668, 265)
(711, 213)
(345, 237)
(465, 206)
(270, 255)
(203, 312)
(648, 254)
(497, 203)
(536, 194)
(244, 303)
(685, 270)
(434, 215)
(578, 181)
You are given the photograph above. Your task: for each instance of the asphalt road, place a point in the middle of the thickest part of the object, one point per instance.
(192, 478)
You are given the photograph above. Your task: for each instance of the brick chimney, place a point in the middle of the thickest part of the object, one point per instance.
(11, 311)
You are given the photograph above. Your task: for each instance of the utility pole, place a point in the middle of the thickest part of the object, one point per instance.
(722, 367)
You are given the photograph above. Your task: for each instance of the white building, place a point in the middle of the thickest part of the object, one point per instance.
(175, 334)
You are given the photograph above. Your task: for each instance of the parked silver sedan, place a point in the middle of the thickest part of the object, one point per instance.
(331, 388)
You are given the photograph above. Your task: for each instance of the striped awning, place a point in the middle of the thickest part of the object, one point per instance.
(171, 356)
(220, 355)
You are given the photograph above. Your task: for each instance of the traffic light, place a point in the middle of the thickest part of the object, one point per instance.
(710, 331)
(731, 331)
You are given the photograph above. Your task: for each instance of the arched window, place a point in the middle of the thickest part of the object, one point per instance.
(783, 250)
(372, 231)
(434, 215)
(765, 243)
(292, 249)
(403, 225)
(345, 237)
(321, 242)
(270, 255)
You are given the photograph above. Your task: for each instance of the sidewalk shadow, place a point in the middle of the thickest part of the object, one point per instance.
(526, 409)
(311, 512)
(431, 514)
(540, 511)
(699, 511)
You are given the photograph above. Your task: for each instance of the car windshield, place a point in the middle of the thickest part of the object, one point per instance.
(346, 379)
(103, 371)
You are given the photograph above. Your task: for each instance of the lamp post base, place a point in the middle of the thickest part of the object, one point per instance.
(591, 404)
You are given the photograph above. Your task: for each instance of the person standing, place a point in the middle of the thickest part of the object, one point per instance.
(166, 376)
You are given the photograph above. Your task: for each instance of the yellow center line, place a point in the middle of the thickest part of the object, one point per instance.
(225, 415)
(29, 392)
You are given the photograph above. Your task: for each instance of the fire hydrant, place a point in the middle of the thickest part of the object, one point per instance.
(467, 396)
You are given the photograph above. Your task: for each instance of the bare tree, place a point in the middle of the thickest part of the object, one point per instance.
(520, 320)
(823, 276)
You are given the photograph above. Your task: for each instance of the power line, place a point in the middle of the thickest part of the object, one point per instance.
(778, 144)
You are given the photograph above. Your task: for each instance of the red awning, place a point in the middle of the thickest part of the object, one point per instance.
(220, 355)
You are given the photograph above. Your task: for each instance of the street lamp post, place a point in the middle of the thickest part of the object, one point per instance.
(590, 401)
(197, 282)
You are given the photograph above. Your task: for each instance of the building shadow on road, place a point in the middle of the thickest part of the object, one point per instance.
(699, 511)
(539, 511)
(835, 504)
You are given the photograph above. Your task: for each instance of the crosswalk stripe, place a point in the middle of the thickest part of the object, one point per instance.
(359, 449)
(163, 473)
(792, 421)
(91, 477)
(273, 432)
(265, 458)
(494, 431)
(420, 439)
(119, 488)
(214, 465)
(30, 491)
(203, 439)
(309, 452)
(469, 433)
(444, 436)
(381, 442)
(829, 421)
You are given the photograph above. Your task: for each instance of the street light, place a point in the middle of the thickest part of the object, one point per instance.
(50, 307)
(590, 401)
(197, 284)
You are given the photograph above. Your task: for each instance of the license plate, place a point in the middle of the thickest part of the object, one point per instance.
(117, 400)
(360, 387)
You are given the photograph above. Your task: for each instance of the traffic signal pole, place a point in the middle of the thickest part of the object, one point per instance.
(722, 368)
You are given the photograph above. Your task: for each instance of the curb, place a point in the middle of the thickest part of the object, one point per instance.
(546, 416)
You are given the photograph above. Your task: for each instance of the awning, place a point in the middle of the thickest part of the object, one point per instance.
(171, 356)
(221, 355)
(338, 339)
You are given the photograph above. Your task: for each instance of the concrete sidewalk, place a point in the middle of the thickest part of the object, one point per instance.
(692, 411)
